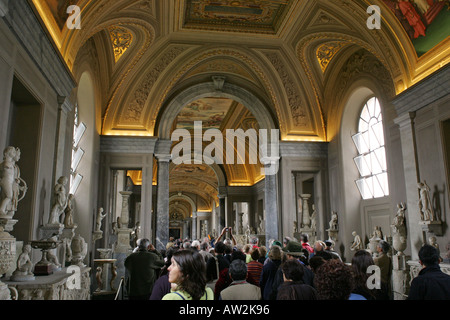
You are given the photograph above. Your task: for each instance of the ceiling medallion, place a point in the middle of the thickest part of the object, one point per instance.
(327, 51)
(121, 40)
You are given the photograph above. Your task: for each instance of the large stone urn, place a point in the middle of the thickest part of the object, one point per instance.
(399, 243)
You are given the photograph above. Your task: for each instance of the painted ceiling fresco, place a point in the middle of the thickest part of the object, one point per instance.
(427, 22)
(210, 111)
(252, 16)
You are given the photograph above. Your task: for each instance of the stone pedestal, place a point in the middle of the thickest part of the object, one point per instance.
(310, 232)
(333, 234)
(58, 286)
(97, 235)
(51, 230)
(400, 277)
(7, 256)
(306, 219)
(123, 241)
(431, 228)
(9, 226)
(66, 237)
(104, 268)
(241, 239)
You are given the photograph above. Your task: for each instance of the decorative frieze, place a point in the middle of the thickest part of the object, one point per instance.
(121, 40)
(296, 105)
(127, 145)
(136, 106)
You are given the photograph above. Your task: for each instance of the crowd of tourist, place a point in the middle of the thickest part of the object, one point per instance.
(221, 269)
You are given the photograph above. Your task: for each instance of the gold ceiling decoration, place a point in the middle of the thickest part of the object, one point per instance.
(121, 40)
(327, 51)
(135, 176)
(262, 16)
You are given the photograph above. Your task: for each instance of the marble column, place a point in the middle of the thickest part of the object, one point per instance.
(162, 201)
(222, 204)
(271, 200)
(411, 171)
(146, 197)
(185, 228)
(64, 107)
(194, 225)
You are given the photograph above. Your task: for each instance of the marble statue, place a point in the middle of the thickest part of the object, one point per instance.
(334, 221)
(7, 174)
(24, 264)
(137, 230)
(399, 225)
(447, 255)
(136, 233)
(377, 234)
(248, 231)
(425, 204)
(313, 218)
(98, 219)
(69, 212)
(51, 257)
(433, 242)
(261, 229)
(59, 202)
(295, 226)
(357, 242)
(19, 186)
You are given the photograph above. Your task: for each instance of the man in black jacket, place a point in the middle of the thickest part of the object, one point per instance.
(143, 268)
(431, 283)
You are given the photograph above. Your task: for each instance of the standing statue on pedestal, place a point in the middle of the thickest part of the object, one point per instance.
(334, 221)
(59, 202)
(7, 174)
(98, 220)
(399, 229)
(136, 233)
(357, 242)
(69, 212)
(261, 229)
(313, 218)
(425, 204)
(19, 186)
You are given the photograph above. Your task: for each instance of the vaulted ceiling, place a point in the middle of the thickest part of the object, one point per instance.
(294, 55)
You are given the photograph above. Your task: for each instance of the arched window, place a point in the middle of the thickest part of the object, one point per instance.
(371, 159)
(77, 153)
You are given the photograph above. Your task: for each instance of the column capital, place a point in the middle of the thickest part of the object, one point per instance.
(163, 157)
(405, 120)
